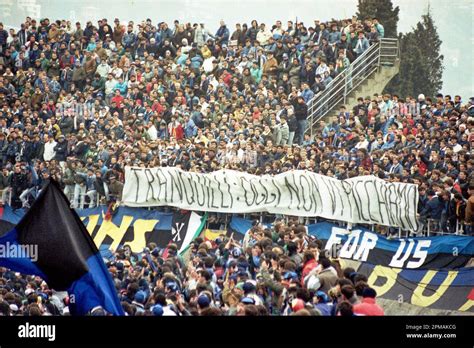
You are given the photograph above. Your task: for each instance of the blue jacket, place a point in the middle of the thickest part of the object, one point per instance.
(3, 37)
(385, 126)
(122, 87)
(396, 169)
(361, 49)
(190, 129)
(129, 39)
(307, 95)
(196, 62)
(434, 208)
(90, 181)
(334, 37)
(158, 37)
(325, 309)
(166, 34)
(222, 35)
(380, 30)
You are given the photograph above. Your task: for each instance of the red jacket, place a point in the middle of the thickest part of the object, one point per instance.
(308, 267)
(157, 107)
(422, 168)
(368, 306)
(366, 163)
(118, 99)
(176, 131)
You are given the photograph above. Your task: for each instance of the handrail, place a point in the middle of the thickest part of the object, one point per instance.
(340, 77)
(384, 52)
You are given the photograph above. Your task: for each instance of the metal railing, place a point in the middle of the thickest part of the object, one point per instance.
(428, 228)
(382, 53)
(83, 200)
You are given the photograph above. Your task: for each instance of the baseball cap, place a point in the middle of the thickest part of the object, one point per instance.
(322, 296)
(157, 310)
(140, 296)
(203, 301)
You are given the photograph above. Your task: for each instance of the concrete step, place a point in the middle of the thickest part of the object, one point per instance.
(373, 84)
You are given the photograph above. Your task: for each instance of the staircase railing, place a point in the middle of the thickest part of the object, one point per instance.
(383, 53)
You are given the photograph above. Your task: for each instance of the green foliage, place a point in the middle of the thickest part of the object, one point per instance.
(421, 67)
(383, 10)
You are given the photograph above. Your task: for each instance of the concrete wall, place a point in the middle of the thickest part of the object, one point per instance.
(374, 84)
(392, 307)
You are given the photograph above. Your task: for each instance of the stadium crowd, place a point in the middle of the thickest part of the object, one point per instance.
(273, 271)
(78, 104)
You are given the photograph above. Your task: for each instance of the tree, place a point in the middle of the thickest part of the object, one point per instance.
(383, 10)
(421, 66)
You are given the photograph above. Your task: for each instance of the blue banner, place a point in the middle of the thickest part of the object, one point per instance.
(427, 285)
(361, 244)
(135, 227)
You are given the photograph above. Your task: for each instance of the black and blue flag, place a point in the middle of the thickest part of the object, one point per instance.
(67, 258)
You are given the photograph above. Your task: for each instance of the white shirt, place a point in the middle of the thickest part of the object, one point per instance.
(322, 69)
(117, 72)
(153, 133)
(103, 70)
(110, 85)
(263, 37)
(167, 312)
(207, 64)
(362, 144)
(49, 152)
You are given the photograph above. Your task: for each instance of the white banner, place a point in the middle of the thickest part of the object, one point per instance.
(364, 199)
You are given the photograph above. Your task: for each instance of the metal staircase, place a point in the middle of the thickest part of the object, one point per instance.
(384, 55)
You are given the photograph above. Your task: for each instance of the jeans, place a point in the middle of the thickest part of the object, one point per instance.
(92, 198)
(80, 193)
(291, 137)
(69, 191)
(302, 125)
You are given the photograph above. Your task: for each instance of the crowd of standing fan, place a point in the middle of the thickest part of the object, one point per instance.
(79, 103)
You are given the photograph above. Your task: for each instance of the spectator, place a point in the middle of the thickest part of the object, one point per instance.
(379, 27)
(3, 40)
(153, 96)
(327, 276)
(49, 148)
(115, 188)
(301, 114)
(362, 44)
(368, 306)
(222, 34)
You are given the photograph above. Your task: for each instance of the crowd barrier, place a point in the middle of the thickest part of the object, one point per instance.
(84, 200)
(430, 227)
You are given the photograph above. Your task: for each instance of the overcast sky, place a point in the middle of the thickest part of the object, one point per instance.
(454, 19)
